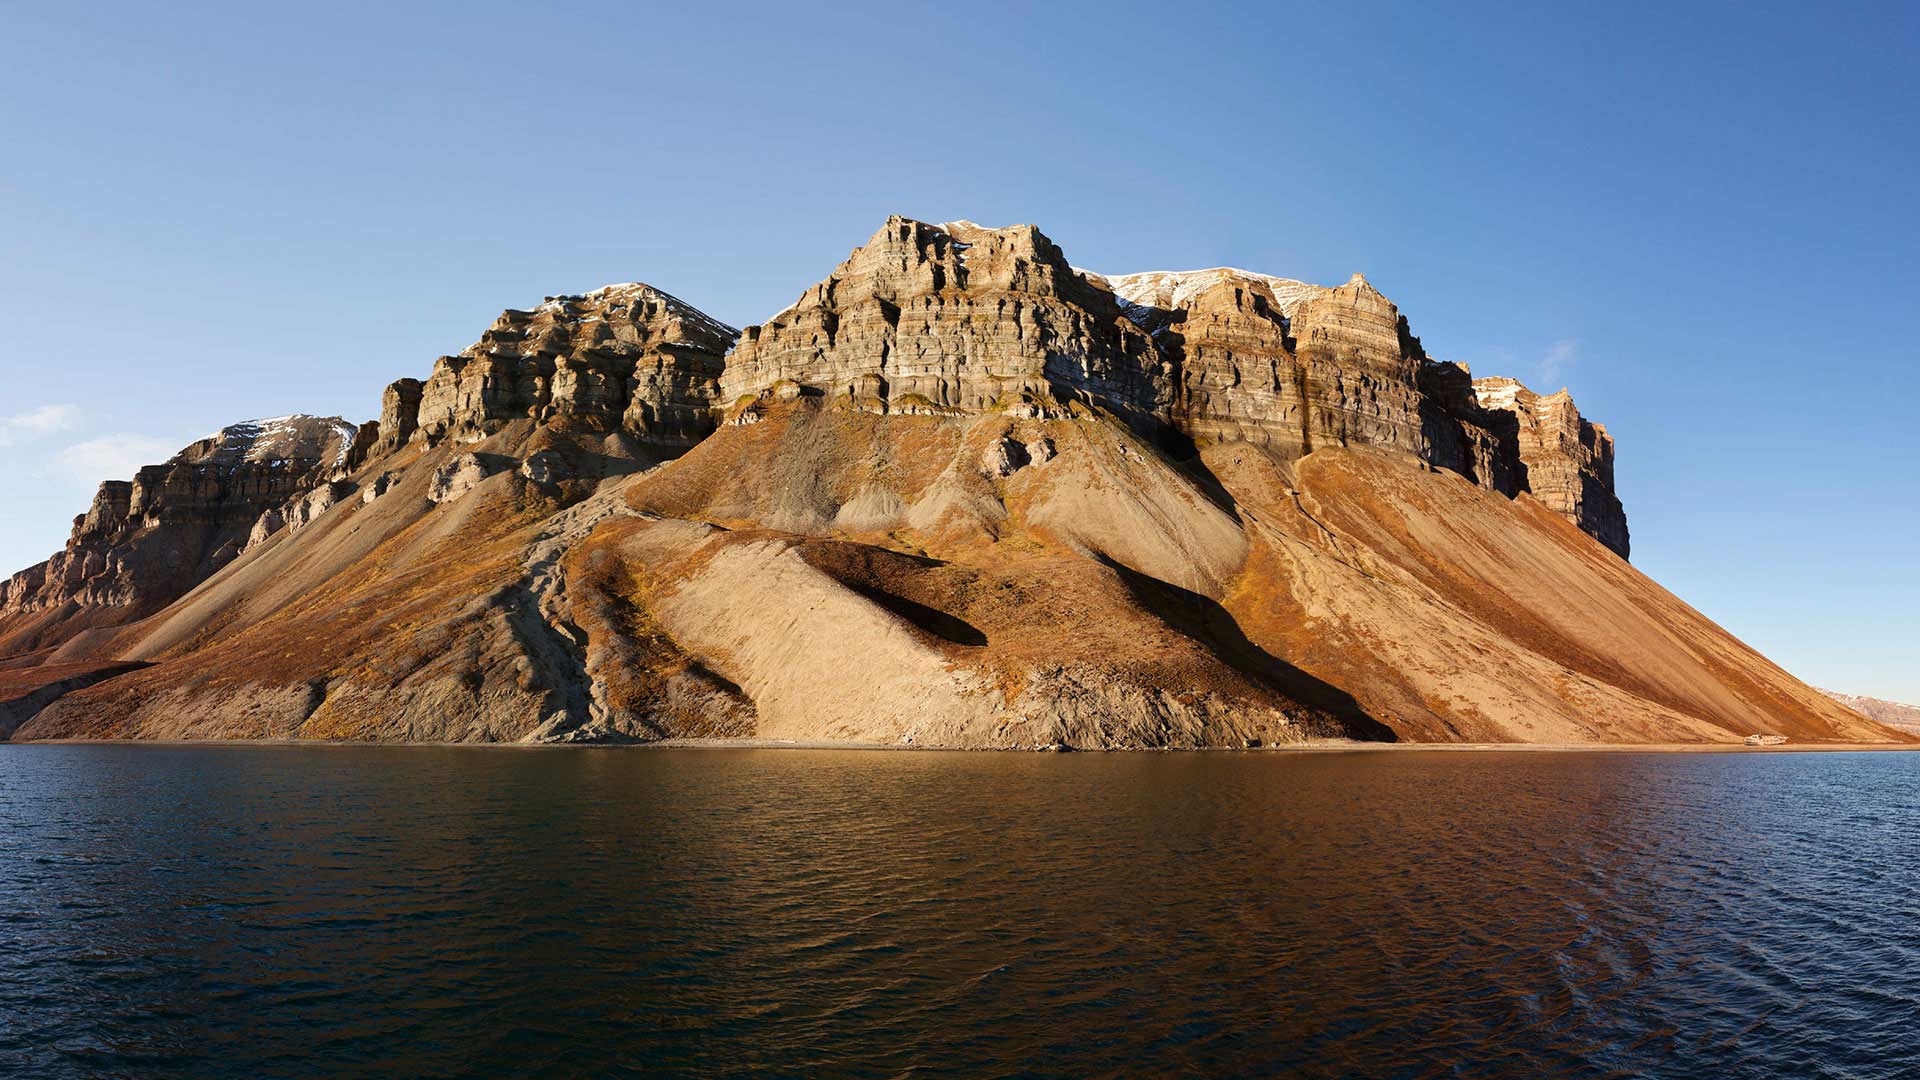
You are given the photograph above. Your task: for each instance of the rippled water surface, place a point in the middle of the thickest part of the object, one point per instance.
(279, 911)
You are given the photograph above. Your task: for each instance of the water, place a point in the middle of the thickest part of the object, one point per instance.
(279, 911)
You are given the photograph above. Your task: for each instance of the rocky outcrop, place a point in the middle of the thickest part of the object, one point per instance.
(399, 415)
(958, 319)
(953, 318)
(111, 505)
(1463, 437)
(1360, 366)
(145, 542)
(303, 509)
(459, 476)
(1563, 460)
(1295, 367)
(620, 356)
(270, 521)
(1280, 363)
(1508, 439)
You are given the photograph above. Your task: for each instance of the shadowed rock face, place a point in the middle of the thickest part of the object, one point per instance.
(1509, 439)
(623, 355)
(144, 543)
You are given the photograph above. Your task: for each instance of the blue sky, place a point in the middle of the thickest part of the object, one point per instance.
(1700, 219)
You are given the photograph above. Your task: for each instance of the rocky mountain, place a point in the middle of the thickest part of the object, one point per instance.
(145, 543)
(959, 493)
(621, 355)
(1891, 713)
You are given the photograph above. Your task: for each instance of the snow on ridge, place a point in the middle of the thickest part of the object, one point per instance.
(349, 434)
(1501, 392)
(273, 440)
(1498, 393)
(1172, 289)
(627, 290)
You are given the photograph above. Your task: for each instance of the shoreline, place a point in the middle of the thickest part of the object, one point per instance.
(1321, 747)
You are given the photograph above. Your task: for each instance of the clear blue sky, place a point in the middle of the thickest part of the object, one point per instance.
(1701, 220)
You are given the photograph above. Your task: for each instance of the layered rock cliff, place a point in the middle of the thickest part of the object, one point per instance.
(620, 356)
(1564, 461)
(958, 494)
(1294, 366)
(953, 318)
(1281, 363)
(144, 543)
(960, 318)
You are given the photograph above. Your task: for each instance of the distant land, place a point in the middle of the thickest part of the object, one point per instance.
(960, 493)
(1891, 713)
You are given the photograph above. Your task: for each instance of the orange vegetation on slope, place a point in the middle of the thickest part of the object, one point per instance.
(827, 573)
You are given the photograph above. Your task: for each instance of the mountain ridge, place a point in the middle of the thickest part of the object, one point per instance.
(958, 493)
(1894, 714)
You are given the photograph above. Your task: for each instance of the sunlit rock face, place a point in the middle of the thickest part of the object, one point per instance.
(1292, 366)
(145, 542)
(1565, 461)
(960, 319)
(620, 356)
(954, 318)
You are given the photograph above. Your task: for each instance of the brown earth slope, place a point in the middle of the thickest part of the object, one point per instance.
(826, 573)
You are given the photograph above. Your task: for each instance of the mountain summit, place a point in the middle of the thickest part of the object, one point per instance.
(959, 493)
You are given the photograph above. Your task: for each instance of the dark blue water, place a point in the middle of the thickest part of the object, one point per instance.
(277, 911)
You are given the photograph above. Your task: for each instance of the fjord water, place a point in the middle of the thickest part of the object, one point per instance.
(280, 911)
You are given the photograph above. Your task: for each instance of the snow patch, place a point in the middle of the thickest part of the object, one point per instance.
(615, 298)
(1175, 289)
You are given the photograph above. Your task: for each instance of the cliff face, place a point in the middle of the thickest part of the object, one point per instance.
(959, 319)
(1293, 367)
(1281, 363)
(620, 356)
(958, 494)
(144, 543)
(1564, 461)
(952, 318)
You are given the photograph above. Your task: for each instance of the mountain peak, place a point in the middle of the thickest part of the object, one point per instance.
(1174, 289)
(293, 437)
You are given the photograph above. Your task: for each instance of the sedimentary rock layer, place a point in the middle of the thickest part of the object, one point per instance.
(927, 318)
(1254, 358)
(143, 543)
(623, 355)
(1564, 461)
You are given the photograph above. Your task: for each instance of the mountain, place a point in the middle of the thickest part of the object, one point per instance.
(959, 493)
(1891, 713)
(144, 543)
